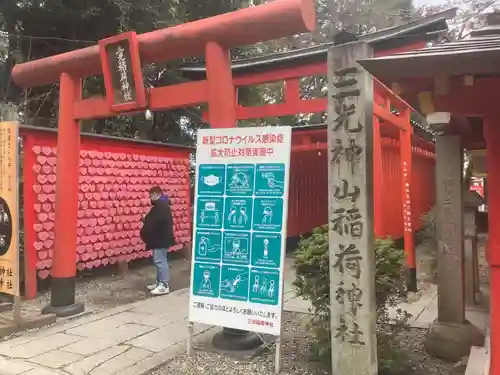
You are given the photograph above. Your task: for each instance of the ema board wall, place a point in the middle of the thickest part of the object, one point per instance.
(115, 176)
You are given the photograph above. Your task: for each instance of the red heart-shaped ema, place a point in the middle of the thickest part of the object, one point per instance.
(48, 226)
(41, 178)
(47, 189)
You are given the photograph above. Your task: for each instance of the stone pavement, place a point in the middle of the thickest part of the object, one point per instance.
(136, 338)
(424, 311)
(126, 340)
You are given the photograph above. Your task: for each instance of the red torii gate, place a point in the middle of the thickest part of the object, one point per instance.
(213, 37)
(385, 121)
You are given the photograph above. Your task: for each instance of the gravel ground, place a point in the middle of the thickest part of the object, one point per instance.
(296, 350)
(106, 288)
(295, 357)
(296, 360)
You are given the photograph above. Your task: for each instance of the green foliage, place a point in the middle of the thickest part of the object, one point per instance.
(313, 283)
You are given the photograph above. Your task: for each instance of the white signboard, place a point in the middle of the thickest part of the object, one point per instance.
(241, 210)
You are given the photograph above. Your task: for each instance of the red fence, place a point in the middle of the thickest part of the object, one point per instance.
(308, 204)
(422, 192)
(115, 176)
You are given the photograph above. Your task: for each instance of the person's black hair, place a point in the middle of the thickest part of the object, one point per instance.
(156, 190)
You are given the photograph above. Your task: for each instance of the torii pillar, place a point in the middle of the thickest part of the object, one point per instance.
(492, 137)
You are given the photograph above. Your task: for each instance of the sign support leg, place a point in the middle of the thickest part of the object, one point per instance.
(18, 319)
(190, 339)
(277, 356)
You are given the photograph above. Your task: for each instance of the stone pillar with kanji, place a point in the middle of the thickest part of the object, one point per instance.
(350, 201)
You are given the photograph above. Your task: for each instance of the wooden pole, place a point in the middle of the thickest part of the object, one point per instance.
(405, 149)
(62, 298)
(350, 188)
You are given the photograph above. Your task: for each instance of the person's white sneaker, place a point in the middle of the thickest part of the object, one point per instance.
(160, 290)
(152, 286)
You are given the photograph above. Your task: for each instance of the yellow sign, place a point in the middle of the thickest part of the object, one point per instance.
(9, 208)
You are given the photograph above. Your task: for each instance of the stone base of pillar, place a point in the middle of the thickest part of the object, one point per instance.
(235, 339)
(451, 341)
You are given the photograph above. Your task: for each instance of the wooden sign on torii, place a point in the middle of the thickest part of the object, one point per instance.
(119, 59)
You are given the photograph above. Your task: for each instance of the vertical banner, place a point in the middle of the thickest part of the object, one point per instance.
(350, 200)
(9, 208)
(405, 148)
(241, 210)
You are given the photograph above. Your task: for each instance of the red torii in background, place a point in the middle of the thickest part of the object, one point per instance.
(213, 37)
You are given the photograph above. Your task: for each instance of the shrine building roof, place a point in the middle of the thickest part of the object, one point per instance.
(424, 29)
(477, 55)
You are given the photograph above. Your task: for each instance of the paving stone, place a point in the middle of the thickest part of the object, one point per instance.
(299, 305)
(43, 371)
(120, 362)
(478, 361)
(56, 358)
(425, 319)
(144, 366)
(60, 328)
(90, 346)
(162, 338)
(164, 304)
(107, 339)
(110, 328)
(95, 328)
(37, 347)
(84, 366)
(14, 367)
(479, 318)
(95, 344)
(153, 320)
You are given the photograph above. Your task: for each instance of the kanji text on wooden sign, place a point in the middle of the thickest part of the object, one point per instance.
(9, 208)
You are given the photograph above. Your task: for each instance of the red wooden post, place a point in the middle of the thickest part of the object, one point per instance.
(378, 180)
(292, 93)
(221, 92)
(406, 175)
(492, 137)
(222, 114)
(62, 301)
(30, 256)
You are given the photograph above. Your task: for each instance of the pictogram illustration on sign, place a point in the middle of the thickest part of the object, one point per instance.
(241, 208)
(270, 180)
(211, 179)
